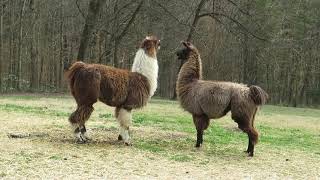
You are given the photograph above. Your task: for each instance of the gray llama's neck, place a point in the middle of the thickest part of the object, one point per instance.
(191, 70)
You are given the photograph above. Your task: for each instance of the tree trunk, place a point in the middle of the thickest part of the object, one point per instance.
(20, 48)
(93, 11)
(61, 53)
(191, 32)
(33, 50)
(1, 44)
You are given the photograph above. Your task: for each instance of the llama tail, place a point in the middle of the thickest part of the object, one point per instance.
(70, 73)
(258, 95)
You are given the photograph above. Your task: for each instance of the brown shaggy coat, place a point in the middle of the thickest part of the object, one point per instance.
(123, 89)
(112, 86)
(212, 99)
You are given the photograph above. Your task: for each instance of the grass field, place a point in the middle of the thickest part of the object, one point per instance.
(163, 139)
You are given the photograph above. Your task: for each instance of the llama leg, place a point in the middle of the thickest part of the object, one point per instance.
(253, 139)
(199, 138)
(253, 135)
(78, 119)
(246, 127)
(201, 123)
(124, 118)
(84, 133)
(249, 145)
(117, 115)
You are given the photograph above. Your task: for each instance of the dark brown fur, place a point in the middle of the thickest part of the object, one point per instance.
(212, 99)
(114, 87)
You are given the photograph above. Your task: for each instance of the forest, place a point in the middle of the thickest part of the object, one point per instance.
(273, 44)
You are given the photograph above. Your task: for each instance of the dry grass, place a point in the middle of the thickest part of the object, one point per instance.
(163, 137)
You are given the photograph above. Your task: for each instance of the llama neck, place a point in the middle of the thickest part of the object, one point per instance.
(191, 70)
(147, 66)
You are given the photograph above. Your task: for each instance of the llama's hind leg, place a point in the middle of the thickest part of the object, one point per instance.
(245, 125)
(253, 135)
(78, 119)
(201, 123)
(253, 139)
(84, 134)
(124, 118)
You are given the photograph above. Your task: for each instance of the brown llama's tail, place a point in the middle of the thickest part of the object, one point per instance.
(70, 72)
(258, 95)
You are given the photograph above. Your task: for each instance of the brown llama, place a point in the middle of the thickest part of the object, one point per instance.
(207, 100)
(123, 89)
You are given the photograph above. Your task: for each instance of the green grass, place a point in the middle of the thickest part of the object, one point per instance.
(32, 110)
(167, 117)
(216, 135)
(34, 96)
(303, 112)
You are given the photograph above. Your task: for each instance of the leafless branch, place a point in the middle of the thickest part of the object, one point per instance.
(213, 15)
(82, 14)
(241, 10)
(124, 31)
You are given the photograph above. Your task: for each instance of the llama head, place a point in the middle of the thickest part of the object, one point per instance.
(188, 49)
(151, 45)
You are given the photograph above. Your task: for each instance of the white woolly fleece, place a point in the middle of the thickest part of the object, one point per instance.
(125, 120)
(147, 66)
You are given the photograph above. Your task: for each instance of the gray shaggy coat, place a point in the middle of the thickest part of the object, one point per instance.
(207, 100)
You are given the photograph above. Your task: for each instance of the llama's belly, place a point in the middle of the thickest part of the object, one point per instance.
(130, 94)
(215, 103)
(108, 100)
(215, 113)
(216, 109)
(111, 98)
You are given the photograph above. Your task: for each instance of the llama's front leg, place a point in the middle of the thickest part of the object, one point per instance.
(201, 123)
(124, 118)
(199, 138)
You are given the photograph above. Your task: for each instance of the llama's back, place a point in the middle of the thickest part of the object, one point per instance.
(120, 87)
(113, 85)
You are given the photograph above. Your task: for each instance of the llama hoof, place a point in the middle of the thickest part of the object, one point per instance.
(80, 138)
(128, 143)
(85, 137)
(198, 145)
(249, 154)
(120, 138)
(80, 141)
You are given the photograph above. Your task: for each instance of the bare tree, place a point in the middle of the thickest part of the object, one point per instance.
(91, 19)
(242, 41)
(1, 41)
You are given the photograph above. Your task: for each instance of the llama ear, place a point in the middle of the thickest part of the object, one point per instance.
(184, 43)
(187, 44)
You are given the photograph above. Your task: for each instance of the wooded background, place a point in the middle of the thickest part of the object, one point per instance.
(274, 44)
